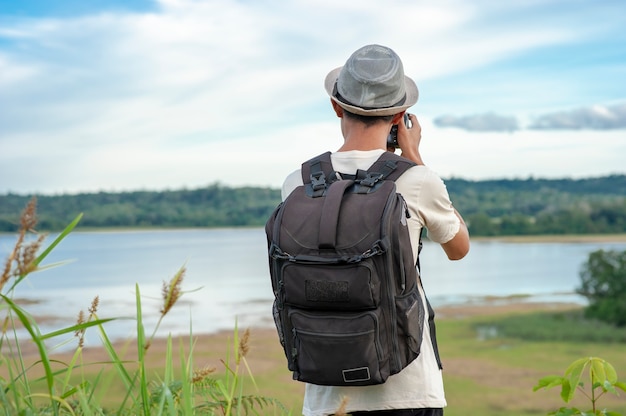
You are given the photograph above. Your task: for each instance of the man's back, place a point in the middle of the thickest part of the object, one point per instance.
(420, 384)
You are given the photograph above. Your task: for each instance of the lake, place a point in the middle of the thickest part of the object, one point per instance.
(227, 277)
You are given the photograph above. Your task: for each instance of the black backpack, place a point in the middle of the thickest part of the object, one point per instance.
(347, 306)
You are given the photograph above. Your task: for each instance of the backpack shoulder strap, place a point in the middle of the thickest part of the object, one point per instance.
(317, 174)
(313, 166)
(391, 166)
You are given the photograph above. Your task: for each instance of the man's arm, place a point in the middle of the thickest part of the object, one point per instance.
(459, 246)
(409, 141)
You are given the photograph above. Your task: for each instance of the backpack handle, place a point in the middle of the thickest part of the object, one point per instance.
(330, 213)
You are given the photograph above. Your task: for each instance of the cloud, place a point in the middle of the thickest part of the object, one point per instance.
(597, 117)
(488, 122)
(537, 153)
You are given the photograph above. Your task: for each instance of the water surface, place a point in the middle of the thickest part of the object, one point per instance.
(227, 276)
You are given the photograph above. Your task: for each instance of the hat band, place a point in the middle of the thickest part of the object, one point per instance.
(343, 100)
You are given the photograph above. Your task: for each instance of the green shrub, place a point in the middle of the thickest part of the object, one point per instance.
(603, 283)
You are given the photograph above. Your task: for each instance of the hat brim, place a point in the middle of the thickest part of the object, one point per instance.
(412, 94)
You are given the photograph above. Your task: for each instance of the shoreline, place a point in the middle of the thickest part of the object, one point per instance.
(534, 238)
(555, 238)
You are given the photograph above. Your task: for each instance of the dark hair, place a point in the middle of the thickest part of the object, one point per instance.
(367, 120)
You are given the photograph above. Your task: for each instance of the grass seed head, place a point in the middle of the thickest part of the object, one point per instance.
(244, 344)
(28, 220)
(172, 291)
(202, 374)
(26, 261)
(94, 306)
(80, 333)
(6, 273)
(20, 256)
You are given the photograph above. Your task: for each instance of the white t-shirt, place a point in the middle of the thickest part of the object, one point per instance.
(420, 384)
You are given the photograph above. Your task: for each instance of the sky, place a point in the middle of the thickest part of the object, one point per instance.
(124, 95)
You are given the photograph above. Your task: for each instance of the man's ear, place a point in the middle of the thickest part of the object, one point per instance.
(337, 108)
(397, 117)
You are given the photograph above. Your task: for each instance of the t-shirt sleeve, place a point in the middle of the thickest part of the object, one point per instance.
(429, 201)
(291, 182)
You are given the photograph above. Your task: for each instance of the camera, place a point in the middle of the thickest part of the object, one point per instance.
(392, 138)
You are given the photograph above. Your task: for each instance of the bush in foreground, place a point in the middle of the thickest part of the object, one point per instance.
(181, 390)
(602, 379)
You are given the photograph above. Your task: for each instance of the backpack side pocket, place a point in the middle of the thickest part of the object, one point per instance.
(410, 315)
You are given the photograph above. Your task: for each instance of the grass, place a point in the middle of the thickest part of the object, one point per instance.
(569, 326)
(124, 382)
(486, 376)
(494, 375)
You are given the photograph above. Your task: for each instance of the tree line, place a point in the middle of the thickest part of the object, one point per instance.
(542, 206)
(490, 207)
(212, 206)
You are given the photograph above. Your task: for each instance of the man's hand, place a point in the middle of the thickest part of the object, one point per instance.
(409, 139)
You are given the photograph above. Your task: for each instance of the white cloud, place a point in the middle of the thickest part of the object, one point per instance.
(597, 117)
(525, 153)
(109, 100)
(479, 122)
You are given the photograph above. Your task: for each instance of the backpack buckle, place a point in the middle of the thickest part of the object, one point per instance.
(371, 179)
(318, 181)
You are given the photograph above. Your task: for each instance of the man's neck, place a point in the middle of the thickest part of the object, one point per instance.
(358, 136)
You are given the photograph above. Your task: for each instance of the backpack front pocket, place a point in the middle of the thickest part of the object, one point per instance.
(350, 355)
(317, 286)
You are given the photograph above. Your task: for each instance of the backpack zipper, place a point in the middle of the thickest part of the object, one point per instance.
(391, 286)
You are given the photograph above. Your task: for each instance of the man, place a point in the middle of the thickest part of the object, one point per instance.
(370, 94)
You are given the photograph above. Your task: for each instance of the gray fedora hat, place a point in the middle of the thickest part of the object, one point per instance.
(372, 83)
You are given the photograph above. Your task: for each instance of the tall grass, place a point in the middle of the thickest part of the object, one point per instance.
(70, 388)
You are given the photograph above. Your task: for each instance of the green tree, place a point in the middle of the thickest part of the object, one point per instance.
(603, 283)
(481, 224)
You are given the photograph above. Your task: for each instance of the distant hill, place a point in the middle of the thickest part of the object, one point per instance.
(542, 206)
(606, 185)
(491, 207)
(213, 206)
